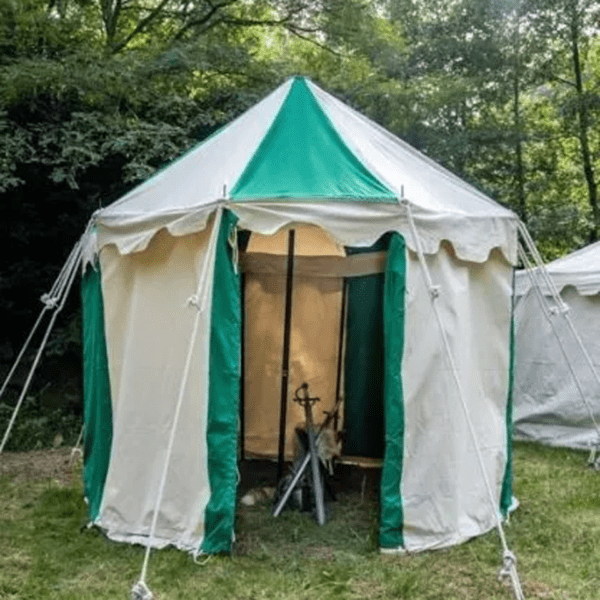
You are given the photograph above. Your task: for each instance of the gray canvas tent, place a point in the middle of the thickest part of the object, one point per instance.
(557, 395)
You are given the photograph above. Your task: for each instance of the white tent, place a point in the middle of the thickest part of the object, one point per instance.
(552, 372)
(162, 310)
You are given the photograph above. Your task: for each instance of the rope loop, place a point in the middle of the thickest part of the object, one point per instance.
(140, 591)
(509, 560)
(509, 574)
(193, 301)
(563, 309)
(593, 459)
(49, 301)
(76, 453)
(201, 558)
(434, 291)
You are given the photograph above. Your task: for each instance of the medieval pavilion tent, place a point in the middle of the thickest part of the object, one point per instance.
(421, 254)
(557, 392)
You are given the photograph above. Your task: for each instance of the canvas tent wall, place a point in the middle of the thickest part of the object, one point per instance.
(548, 404)
(301, 159)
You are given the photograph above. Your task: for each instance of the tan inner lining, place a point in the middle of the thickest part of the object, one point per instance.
(314, 341)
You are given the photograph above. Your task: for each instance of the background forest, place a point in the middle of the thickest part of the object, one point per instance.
(95, 95)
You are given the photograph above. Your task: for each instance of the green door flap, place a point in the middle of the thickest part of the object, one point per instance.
(97, 405)
(223, 396)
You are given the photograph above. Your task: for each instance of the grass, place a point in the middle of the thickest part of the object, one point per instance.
(44, 553)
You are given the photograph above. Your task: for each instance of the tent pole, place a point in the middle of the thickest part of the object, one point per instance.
(340, 365)
(243, 367)
(285, 362)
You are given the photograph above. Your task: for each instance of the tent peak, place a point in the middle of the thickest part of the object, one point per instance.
(302, 156)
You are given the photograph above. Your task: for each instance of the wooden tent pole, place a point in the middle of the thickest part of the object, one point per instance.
(340, 365)
(285, 362)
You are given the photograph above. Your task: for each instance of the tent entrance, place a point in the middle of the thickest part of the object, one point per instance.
(336, 340)
(364, 434)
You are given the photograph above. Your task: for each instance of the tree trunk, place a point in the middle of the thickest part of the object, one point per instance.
(583, 127)
(520, 170)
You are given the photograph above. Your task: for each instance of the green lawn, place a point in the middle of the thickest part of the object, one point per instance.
(44, 553)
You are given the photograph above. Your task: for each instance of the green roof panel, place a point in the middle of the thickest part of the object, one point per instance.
(302, 156)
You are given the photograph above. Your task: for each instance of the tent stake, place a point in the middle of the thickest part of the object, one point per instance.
(285, 362)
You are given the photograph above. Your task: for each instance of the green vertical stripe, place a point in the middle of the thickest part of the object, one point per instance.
(392, 513)
(506, 493)
(97, 406)
(223, 396)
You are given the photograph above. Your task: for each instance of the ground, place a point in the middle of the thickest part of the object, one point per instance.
(47, 552)
(39, 465)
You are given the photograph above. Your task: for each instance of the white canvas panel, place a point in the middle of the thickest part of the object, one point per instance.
(443, 491)
(206, 173)
(348, 223)
(580, 269)
(135, 235)
(446, 202)
(548, 405)
(363, 223)
(400, 166)
(148, 328)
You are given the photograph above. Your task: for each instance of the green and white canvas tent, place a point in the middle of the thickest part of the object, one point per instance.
(162, 308)
(557, 392)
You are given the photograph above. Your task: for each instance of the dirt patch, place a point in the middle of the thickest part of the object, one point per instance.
(319, 552)
(39, 465)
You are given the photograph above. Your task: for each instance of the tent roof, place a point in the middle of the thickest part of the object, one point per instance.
(580, 269)
(301, 154)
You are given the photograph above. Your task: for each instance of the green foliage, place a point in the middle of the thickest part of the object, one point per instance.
(15, 148)
(95, 96)
(38, 426)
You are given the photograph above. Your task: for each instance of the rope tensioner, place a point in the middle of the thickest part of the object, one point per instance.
(509, 560)
(193, 300)
(508, 573)
(140, 591)
(434, 291)
(54, 301)
(559, 310)
(49, 301)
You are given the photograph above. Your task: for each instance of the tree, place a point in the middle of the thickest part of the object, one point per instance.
(95, 95)
(570, 28)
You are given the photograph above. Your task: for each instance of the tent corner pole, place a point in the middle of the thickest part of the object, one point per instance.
(285, 362)
(341, 341)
